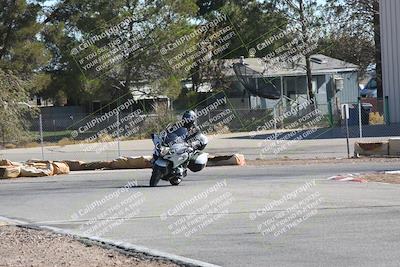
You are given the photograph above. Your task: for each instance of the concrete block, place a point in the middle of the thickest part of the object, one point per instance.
(394, 146)
(371, 149)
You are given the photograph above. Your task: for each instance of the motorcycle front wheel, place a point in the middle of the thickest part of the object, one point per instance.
(175, 181)
(155, 176)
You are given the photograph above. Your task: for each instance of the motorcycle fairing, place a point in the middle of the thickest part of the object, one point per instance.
(202, 159)
(161, 163)
(198, 162)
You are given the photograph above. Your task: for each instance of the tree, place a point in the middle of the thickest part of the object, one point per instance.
(359, 18)
(22, 58)
(303, 16)
(251, 22)
(158, 22)
(349, 48)
(13, 95)
(206, 7)
(20, 48)
(66, 77)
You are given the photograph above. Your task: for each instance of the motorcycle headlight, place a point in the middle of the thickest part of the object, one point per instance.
(164, 151)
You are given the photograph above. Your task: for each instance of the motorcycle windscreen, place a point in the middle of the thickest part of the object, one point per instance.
(170, 139)
(177, 136)
(156, 139)
(253, 82)
(182, 132)
(179, 148)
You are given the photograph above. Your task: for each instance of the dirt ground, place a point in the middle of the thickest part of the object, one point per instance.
(27, 247)
(370, 177)
(382, 178)
(288, 161)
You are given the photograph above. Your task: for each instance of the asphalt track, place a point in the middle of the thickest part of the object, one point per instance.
(351, 224)
(252, 148)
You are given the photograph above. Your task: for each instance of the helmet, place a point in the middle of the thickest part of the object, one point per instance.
(189, 119)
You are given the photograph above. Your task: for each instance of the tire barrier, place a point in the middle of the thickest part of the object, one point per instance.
(143, 162)
(74, 165)
(32, 168)
(8, 172)
(232, 160)
(40, 168)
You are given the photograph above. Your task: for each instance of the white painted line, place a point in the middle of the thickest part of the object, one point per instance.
(392, 172)
(12, 221)
(104, 171)
(124, 245)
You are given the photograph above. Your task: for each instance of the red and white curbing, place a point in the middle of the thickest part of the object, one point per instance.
(357, 177)
(351, 177)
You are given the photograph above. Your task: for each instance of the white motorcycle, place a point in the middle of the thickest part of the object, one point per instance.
(172, 157)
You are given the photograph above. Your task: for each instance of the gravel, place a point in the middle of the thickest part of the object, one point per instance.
(29, 247)
(382, 178)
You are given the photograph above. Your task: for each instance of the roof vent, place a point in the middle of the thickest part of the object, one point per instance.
(317, 60)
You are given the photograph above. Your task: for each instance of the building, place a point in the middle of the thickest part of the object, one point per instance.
(334, 82)
(38, 101)
(390, 42)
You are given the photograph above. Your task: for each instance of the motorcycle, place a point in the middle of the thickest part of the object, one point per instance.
(172, 157)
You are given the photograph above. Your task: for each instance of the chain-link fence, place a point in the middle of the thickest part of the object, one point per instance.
(92, 134)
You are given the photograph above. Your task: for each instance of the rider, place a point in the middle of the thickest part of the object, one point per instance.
(194, 136)
(187, 130)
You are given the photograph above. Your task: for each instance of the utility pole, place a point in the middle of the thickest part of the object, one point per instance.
(305, 39)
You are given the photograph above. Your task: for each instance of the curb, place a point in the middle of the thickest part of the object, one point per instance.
(123, 247)
(358, 177)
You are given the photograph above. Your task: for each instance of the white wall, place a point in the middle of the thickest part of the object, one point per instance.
(390, 40)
